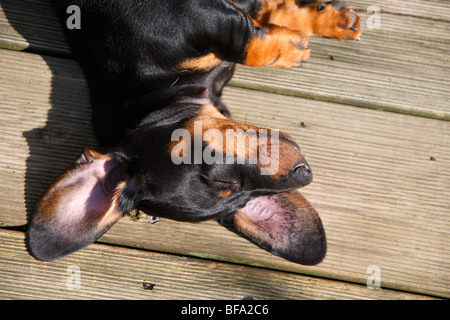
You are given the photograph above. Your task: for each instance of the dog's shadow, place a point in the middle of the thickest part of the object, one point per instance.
(54, 146)
(67, 130)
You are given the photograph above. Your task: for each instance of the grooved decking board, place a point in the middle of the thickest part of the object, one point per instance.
(430, 9)
(382, 200)
(31, 24)
(107, 272)
(402, 67)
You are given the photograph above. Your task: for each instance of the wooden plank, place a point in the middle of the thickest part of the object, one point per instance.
(108, 272)
(33, 25)
(38, 141)
(381, 198)
(402, 67)
(430, 9)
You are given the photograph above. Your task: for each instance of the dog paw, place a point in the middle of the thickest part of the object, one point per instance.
(279, 48)
(335, 20)
(292, 48)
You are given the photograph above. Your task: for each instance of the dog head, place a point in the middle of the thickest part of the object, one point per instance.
(187, 164)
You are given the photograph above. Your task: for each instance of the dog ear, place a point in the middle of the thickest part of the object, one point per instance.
(284, 224)
(79, 207)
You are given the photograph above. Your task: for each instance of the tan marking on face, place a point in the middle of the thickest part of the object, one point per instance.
(243, 142)
(224, 193)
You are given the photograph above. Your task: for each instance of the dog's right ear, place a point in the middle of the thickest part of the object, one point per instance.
(79, 207)
(284, 224)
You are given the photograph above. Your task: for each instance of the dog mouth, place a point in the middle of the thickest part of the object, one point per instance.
(284, 224)
(263, 208)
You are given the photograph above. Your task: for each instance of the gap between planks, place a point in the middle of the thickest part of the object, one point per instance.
(109, 272)
(402, 67)
(375, 207)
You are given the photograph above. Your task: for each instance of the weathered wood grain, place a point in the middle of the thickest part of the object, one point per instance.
(382, 200)
(430, 9)
(107, 272)
(33, 25)
(402, 67)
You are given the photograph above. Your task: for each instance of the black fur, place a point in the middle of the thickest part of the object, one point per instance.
(129, 51)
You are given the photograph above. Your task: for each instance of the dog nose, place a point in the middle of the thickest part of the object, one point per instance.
(302, 171)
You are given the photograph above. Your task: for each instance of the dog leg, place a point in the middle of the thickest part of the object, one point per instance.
(236, 37)
(278, 47)
(329, 19)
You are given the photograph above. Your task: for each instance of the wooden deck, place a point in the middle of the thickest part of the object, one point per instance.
(372, 118)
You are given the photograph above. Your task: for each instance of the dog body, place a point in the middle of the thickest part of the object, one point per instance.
(155, 67)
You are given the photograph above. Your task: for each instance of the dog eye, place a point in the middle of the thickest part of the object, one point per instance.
(321, 7)
(221, 183)
(224, 183)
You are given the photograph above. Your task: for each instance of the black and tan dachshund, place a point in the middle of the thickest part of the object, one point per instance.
(156, 70)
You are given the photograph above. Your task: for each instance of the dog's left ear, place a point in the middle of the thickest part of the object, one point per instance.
(284, 224)
(82, 205)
